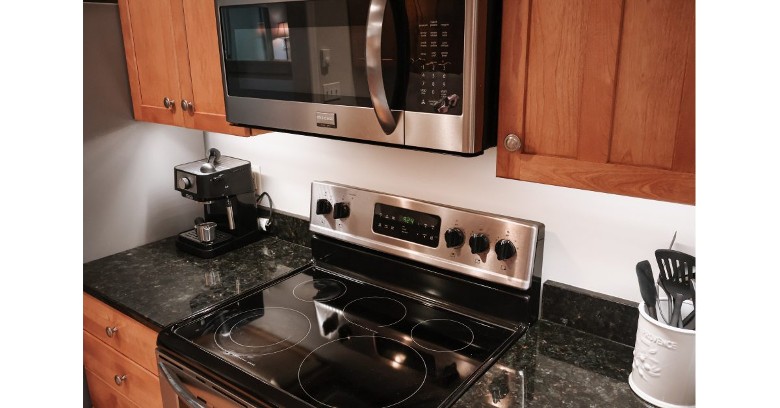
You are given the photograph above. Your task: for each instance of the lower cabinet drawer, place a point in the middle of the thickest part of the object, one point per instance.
(134, 382)
(103, 396)
(123, 333)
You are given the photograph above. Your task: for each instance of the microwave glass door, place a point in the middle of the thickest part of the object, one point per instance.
(309, 51)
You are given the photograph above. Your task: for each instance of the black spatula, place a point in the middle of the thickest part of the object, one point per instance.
(644, 274)
(676, 277)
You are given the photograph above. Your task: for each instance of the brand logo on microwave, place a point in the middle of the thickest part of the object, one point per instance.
(325, 119)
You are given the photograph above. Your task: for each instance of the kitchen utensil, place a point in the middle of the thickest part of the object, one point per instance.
(688, 319)
(676, 265)
(676, 276)
(674, 320)
(644, 274)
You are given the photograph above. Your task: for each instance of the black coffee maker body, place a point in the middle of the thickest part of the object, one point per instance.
(225, 186)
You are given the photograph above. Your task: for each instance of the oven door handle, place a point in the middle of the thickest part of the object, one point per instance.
(376, 83)
(179, 388)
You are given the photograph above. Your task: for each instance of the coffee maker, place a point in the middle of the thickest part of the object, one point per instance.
(225, 187)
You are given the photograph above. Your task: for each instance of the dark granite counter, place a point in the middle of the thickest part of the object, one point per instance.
(158, 284)
(551, 366)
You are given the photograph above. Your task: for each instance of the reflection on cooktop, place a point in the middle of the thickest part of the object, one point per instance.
(384, 348)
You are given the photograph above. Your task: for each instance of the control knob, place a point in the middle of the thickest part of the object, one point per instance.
(454, 238)
(479, 243)
(323, 206)
(505, 249)
(184, 183)
(341, 210)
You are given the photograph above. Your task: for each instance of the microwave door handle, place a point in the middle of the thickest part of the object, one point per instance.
(178, 388)
(376, 83)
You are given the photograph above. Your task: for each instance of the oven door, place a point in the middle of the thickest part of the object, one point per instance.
(330, 67)
(182, 387)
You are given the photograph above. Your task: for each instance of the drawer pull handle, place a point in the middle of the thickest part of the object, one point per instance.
(119, 379)
(110, 331)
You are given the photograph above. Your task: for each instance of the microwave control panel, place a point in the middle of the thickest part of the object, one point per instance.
(436, 52)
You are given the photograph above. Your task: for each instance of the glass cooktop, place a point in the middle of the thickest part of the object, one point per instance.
(333, 341)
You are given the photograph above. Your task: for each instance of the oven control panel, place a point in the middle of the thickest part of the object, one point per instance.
(495, 248)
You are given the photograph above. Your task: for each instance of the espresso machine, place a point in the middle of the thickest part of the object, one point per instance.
(225, 187)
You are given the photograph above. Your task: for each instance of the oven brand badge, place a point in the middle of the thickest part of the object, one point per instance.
(326, 119)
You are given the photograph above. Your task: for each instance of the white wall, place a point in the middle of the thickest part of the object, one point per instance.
(129, 198)
(593, 240)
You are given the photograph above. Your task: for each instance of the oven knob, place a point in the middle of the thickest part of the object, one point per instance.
(323, 207)
(185, 183)
(341, 210)
(479, 243)
(505, 249)
(454, 238)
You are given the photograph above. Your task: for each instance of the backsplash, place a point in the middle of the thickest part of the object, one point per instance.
(593, 240)
(606, 316)
(291, 229)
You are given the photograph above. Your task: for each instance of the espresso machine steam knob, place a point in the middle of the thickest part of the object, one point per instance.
(185, 183)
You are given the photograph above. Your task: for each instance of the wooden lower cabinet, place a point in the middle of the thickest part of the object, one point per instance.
(103, 395)
(119, 358)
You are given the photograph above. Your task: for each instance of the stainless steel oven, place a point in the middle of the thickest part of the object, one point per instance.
(415, 73)
(406, 303)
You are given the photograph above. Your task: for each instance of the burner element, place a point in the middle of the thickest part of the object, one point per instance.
(398, 370)
(380, 311)
(442, 335)
(320, 290)
(259, 332)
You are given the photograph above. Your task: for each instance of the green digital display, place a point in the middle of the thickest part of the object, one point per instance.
(407, 220)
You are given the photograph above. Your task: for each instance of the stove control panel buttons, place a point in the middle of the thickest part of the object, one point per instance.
(454, 238)
(479, 243)
(323, 206)
(340, 210)
(505, 249)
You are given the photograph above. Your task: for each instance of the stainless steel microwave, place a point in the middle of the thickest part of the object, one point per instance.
(415, 73)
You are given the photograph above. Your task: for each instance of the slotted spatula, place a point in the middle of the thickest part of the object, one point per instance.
(677, 270)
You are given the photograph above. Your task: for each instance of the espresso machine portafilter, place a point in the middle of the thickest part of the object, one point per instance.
(224, 186)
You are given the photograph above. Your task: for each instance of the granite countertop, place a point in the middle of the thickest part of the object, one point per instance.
(159, 285)
(551, 365)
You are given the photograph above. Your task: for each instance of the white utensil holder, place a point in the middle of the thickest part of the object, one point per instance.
(664, 369)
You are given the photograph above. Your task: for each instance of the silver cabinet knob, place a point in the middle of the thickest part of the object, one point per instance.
(110, 331)
(512, 142)
(120, 379)
(187, 105)
(169, 103)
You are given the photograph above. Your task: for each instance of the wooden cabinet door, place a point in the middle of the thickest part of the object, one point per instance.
(601, 94)
(201, 71)
(150, 50)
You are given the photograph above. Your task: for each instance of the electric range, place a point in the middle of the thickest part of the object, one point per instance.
(406, 303)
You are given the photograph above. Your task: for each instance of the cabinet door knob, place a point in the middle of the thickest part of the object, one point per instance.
(512, 142)
(110, 331)
(119, 379)
(186, 105)
(169, 103)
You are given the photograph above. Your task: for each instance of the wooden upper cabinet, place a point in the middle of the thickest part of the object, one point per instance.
(172, 52)
(601, 94)
(151, 59)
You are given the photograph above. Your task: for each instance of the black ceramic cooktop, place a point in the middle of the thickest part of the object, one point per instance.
(331, 340)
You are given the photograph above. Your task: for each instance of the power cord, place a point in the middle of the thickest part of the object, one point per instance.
(270, 206)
